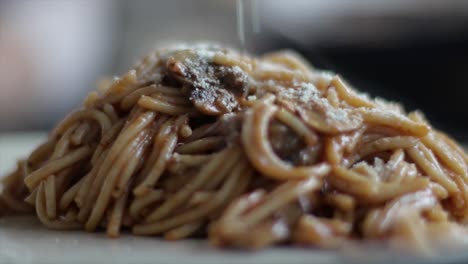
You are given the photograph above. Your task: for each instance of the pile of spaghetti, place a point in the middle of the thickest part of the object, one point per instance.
(247, 151)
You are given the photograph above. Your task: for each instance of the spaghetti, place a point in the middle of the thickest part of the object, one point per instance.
(201, 140)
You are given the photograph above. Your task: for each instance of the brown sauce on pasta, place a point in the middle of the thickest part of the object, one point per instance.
(248, 152)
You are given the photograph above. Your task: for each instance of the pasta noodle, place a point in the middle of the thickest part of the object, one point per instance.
(247, 151)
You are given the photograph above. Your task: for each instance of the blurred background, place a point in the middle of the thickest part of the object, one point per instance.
(52, 52)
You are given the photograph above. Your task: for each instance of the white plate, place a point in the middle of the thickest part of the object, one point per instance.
(24, 240)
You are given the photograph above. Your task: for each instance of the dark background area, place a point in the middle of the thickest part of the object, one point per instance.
(415, 57)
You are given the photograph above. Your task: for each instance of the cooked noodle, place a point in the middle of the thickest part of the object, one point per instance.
(246, 151)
